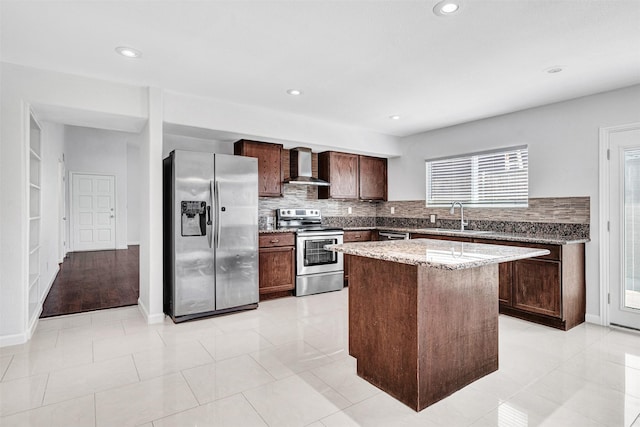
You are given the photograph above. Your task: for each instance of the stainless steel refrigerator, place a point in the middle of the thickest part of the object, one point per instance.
(210, 234)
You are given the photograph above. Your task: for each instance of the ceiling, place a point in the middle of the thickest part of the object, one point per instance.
(357, 62)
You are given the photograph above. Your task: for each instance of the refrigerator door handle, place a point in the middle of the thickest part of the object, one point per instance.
(217, 216)
(209, 223)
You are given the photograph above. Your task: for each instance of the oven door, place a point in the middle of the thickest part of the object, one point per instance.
(312, 258)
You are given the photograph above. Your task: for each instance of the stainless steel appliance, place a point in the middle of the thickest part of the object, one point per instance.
(392, 235)
(210, 234)
(317, 269)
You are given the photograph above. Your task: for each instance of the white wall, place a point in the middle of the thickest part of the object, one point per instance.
(179, 142)
(52, 152)
(133, 194)
(563, 143)
(263, 124)
(103, 152)
(22, 87)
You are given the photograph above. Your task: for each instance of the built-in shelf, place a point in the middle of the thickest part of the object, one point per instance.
(33, 280)
(34, 164)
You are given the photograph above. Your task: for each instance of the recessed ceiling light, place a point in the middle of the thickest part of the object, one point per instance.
(553, 70)
(446, 7)
(294, 92)
(394, 117)
(128, 52)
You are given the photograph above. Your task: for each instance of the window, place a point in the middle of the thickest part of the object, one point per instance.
(496, 178)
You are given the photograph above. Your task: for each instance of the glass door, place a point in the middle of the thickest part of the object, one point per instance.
(625, 229)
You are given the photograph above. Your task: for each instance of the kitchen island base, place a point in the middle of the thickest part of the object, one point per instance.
(419, 333)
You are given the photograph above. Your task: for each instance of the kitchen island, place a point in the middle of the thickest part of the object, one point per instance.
(423, 314)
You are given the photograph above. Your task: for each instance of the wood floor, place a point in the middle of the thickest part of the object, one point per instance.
(94, 280)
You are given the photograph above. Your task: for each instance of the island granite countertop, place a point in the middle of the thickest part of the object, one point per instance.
(442, 254)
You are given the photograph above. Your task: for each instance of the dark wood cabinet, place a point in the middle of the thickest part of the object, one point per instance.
(352, 176)
(373, 178)
(355, 236)
(549, 290)
(269, 157)
(277, 273)
(341, 170)
(536, 287)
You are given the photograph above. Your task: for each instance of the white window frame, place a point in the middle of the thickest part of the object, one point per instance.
(474, 198)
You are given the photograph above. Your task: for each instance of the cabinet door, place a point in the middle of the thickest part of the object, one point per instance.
(536, 287)
(341, 170)
(505, 273)
(269, 165)
(277, 269)
(373, 178)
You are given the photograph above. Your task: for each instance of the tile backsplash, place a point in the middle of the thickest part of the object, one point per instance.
(567, 216)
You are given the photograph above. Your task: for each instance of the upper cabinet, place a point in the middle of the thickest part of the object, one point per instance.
(373, 178)
(269, 157)
(341, 171)
(352, 176)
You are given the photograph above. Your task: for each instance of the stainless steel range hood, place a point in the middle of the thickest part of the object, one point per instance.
(300, 168)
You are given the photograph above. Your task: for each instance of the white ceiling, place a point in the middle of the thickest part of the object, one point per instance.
(357, 62)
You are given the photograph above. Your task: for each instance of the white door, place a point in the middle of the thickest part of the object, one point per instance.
(624, 214)
(93, 212)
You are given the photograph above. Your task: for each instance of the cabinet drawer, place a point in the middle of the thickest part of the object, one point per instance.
(276, 239)
(555, 250)
(440, 237)
(357, 236)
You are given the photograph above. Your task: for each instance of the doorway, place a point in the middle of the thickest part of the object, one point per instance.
(623, 222)
(93, 212)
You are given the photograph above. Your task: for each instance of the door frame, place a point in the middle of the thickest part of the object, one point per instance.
(71, 242)
(605, 197)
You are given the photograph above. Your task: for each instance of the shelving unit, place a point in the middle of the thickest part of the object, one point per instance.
(35, 208)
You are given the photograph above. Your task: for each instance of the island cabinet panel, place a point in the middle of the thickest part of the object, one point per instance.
(505, 271)
(409, 335)
(341, 171)
(276, 257)
(269, 164)
(354, 236)
(373, 178)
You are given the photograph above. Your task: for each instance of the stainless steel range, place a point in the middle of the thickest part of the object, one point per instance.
(317, 269)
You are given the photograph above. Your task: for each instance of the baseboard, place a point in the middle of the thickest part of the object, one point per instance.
(122, 247)
(592, 318)
(8, 340)
(53, 279)
(151, 318)
(133, 243)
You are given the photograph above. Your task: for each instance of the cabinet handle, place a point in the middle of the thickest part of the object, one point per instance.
(275, 241)
(357, 236)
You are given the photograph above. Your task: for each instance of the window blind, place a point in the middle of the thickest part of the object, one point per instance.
(490, 178)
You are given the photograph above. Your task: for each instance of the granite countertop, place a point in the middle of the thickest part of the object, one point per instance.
(276, 230)
(552, 239)
(443, 254)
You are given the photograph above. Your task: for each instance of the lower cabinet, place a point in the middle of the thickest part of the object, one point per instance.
(277, 264)
(549, 290)
(355, 236)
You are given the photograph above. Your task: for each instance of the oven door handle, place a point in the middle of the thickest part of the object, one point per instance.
(320, 234)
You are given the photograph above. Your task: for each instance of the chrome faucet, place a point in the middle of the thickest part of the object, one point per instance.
(462, 221)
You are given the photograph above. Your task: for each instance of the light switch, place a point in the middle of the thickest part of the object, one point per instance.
(393, 210)
(350, 210)
(432, 218)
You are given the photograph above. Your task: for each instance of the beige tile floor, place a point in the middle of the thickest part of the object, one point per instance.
(286, 364)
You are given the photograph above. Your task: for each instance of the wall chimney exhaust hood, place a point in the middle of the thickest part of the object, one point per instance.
(300, 168)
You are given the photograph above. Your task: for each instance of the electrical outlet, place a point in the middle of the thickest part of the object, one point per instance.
(350, 210)
(432, 218)
(393, 210)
